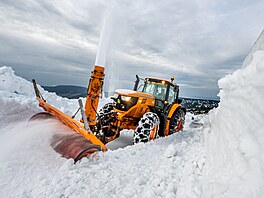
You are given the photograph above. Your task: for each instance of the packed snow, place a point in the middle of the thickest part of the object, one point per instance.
(216, 155)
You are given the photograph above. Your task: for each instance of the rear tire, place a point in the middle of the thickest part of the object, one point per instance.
(177, 121)
(147, 129)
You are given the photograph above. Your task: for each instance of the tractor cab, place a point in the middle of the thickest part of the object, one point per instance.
(164, 91)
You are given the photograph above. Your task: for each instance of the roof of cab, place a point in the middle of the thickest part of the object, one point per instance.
(160, 79)
(127, 92)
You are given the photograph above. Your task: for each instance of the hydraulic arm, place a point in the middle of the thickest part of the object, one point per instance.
(93, 94)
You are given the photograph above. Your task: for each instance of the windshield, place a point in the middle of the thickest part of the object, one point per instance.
(156, 89)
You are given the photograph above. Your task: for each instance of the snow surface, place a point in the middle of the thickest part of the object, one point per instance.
(217, 155)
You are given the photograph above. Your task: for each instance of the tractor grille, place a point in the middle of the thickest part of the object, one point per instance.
(124, 103)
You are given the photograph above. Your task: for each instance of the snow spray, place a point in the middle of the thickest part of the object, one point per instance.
(26, 157)
(109, 38)
(30, 139)
(25, 136)
(105, 37)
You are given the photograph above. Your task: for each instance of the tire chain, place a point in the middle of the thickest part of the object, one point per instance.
(145, 126)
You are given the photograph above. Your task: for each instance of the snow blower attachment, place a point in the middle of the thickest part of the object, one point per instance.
(153, 112)
(84, 142)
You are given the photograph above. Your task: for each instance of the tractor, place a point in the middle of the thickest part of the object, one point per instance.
(154, 111)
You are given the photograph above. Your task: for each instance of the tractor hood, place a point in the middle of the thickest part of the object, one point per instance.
(131, 93)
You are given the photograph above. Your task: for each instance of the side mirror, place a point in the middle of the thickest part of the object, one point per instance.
(136, 83)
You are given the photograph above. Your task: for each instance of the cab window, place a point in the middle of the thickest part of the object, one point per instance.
(172, 95)
(149, 88)
(156, 89)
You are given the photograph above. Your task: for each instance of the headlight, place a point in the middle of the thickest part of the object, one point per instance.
(125, 98)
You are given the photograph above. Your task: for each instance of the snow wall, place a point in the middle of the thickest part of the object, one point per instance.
(235, 141)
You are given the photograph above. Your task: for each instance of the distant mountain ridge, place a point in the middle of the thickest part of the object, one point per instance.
(68, 91)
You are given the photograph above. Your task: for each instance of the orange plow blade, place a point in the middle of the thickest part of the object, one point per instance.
(73, 146)
(77, 144)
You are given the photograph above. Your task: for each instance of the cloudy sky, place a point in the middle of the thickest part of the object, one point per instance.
(197, 41)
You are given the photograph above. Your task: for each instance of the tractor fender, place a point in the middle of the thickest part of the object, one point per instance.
(174, 108)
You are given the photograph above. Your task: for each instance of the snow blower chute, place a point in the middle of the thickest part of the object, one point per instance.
(81, 142)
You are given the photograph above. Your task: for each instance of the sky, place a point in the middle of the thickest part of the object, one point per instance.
(196, 41)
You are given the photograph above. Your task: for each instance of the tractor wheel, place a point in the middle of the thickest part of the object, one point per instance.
(147, 129)
(177, 121)
(108, 107)
(106, 116)
(104, 113)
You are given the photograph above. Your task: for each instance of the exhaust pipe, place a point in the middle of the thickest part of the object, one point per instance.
(136, 83)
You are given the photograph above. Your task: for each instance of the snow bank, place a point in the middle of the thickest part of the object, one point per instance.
(235, 142)
(258, 45)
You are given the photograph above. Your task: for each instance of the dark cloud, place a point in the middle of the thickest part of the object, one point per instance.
(196, 41)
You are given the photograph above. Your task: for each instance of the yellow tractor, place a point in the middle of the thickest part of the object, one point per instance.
(153, 112)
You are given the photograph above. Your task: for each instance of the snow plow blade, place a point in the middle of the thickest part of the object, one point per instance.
(73, 146)
(77, 144)
(82, 141)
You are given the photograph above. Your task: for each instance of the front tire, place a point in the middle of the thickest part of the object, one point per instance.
(147, 129)
(104, 114)
(106, 117)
